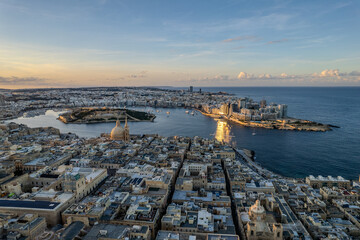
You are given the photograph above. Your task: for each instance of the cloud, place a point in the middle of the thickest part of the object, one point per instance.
(278, 41)
(329, 78)
(265, 75)
(196, 54)
(142, 74)
(222, 77)
(329, 73)
(336, 76)
(136, 76)
(21, 80)
(325, 76)
(276, 21)
(244, 75)
(354, 73)
(241, 38)
(115, 79)
(211, 79)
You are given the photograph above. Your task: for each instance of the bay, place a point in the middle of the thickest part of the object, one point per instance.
(290, 153)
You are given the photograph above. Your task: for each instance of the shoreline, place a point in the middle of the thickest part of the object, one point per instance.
(101, 121)
(306, 125)
(104, 115)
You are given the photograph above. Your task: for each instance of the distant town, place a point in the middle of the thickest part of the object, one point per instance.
(244, 111)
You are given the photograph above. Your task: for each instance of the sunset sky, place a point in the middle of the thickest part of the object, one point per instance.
(72, 43)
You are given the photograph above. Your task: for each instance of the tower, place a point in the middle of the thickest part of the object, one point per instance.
(231, 109)
(263, 103)
(126, 131)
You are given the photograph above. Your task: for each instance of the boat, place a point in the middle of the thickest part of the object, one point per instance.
(168, 113)
(187, 112)
(254, 133)
(192, 113)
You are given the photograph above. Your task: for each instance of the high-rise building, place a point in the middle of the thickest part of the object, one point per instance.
(242, 103)
(2, 100)
(282, 110)
(191, 89)
(231, 109)
(263, 103)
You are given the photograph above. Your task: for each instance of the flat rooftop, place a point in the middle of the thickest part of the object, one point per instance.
(28, 204)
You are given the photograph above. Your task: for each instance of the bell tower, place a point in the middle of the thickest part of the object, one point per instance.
(126, 131)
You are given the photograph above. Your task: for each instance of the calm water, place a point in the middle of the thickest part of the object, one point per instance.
(295, 154)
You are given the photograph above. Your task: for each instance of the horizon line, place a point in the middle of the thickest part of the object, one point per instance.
(159, 87)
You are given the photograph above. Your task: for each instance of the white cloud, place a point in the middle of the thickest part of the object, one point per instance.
(329, 73)
(241, 38)
(244, 75)
(222, 77)
(326, 76)
(265, 75)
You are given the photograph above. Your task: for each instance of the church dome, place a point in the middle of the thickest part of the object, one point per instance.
(257, 208)
(117, 133)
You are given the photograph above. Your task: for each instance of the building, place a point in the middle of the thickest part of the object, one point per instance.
(263, 103)
(120, 133)
(259, 228)
(49, 209)
(320, 181)
(28, 225)
(82, 181)
(87, 211)
(110, 231)
(282, 109)
(73, 231)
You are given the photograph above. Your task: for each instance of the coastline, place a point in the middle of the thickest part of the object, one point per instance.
(104, 115)
(101, 121)
(305, 125)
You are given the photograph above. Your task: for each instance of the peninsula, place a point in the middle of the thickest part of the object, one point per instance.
(100, 115)
(280, 124)
(249, 113)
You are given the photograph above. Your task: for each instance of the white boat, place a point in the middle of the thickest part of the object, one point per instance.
(187, 112)
(253, 133)
(168, 113)
(192, 113)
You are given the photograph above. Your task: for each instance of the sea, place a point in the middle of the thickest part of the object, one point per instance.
(289, 153)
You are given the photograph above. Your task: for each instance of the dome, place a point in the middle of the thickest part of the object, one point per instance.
(257, 208)
(117, 133)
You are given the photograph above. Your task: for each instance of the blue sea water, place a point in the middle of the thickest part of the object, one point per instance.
(290, 153)
(299, 154)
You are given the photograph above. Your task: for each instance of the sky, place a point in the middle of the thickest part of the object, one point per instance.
(73, 43)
